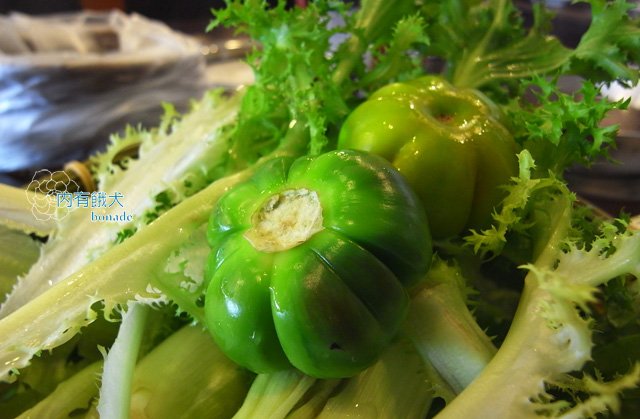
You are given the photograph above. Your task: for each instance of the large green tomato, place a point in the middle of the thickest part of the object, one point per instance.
(449, 144)
(309, 263)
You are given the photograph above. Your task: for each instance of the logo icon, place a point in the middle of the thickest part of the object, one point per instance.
(43, 190)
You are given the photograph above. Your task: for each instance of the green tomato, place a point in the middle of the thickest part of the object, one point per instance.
(449, 143)
(309, 263)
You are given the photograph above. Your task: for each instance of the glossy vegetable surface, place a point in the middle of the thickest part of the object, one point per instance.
(448, 142)
(309, 262)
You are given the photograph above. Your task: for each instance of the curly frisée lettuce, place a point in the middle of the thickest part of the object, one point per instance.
(550, 334)
(177, 158)
(568, 348)
(483, 44)
(63, 292)
(127, 272)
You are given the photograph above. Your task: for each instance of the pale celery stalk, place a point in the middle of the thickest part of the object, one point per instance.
(549, 337)
(17, 211)
(188, 376)
(119, 364)
(397, 386)
(18, 251)
(170, 157)
(125, 273)
(444, 331)
(274, 395)
(316, 399)
(71, 395)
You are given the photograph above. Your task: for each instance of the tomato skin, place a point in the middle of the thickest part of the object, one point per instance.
(329, 304)
(448, 142)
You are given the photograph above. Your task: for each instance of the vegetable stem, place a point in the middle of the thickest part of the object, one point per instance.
(119, 365)
(122, 274)
(17, 208)
(444, 330)
(397, 386)
(374, 17)
(188, 376)
(465, 71)
(69, 396)
(274, 395)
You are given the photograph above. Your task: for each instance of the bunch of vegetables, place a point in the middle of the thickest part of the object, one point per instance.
(377, 227)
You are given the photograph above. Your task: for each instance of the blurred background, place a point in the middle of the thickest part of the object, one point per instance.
(73, 72)
(165, 10)
(612, 186)
(177, 13)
